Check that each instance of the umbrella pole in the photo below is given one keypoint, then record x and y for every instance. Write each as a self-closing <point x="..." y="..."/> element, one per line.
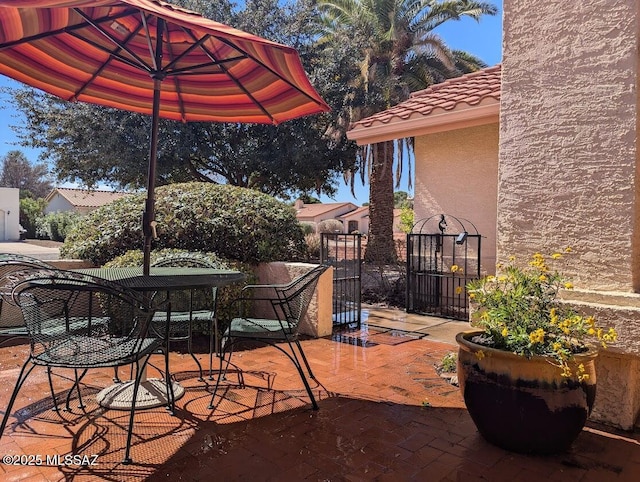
<point x="149" y="215"/>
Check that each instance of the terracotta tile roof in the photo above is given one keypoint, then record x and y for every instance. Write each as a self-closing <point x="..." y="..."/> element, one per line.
<point x="313" y="210"/>
<point x="86" y="198"/>
<point x="467" y="90"/>
<point x="362" y="211"/>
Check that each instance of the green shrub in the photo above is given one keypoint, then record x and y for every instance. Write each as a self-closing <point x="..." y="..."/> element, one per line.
<point x="406" y="219"/>
<point x="56" y="226"/>
<point x="449" y="363"/>
<point x="308" y="228"/>
<point x="30" y="210"/>
<point x="330" y="226"/>
<point x="313" y="245"/>
<point x="236" y="223"/>
<point x="225" y="310"/>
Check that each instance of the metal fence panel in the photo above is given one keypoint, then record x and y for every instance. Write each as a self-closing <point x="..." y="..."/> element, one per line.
<point x="343" y="252"/>
<point x="439" y="266"/>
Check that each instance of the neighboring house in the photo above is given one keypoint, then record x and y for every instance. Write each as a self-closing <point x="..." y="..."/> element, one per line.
<point x="81" y="201"/>
<point x="314" y="213"/>
<point x="9" y="214"/>
<point x="358" y="220"/>
<point x="352" y="217"/>
<point x="455" y="128"/>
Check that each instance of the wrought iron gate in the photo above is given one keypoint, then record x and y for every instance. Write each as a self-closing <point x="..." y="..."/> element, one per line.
<point x="443" y="254"/>
<point x="343" y="252"/>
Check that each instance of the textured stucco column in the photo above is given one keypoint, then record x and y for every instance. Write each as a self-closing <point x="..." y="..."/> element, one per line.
<point x="568" y="164"/>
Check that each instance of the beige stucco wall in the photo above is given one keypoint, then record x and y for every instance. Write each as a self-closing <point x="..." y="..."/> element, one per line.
<point x="456" y="174"/>
<point x="568" y="165"/>
<point x="58" y="204"/>
<point x="9" y="213"/>
<point x="318" y="321"/>
<point x="568" y="135"/>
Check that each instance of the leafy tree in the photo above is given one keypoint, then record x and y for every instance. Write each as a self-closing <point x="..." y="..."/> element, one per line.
<point x="32" y="179"/>
<point x="30" y="210"/>
<point x="308" y="199"/>
<point x="91" y="144"/>
<point x="397" y="53"/>
<point x="406" y="219"/>
<point x="401" y="199"/>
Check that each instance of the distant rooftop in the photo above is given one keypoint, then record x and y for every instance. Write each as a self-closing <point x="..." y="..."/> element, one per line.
<point x="86" y="198"/>
<point x="313" y="210"/>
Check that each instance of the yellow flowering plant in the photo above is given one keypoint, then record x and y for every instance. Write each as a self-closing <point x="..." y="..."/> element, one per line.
<point x="519" y="311"/>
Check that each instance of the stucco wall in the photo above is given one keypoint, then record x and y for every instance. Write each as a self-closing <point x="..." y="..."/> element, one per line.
<point x="318" y="321"/>
<point x="568" y="135"/>
<point x="58" y="203"/>
<point x="456" y="174"/>
<point x="568" y="166"/>
<point x="9" y="213"/>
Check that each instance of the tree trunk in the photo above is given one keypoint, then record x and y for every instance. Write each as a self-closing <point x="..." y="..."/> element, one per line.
<point x="380" y="245"/>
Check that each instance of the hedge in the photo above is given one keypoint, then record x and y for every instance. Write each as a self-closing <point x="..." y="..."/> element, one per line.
<point x="235" y="223"/>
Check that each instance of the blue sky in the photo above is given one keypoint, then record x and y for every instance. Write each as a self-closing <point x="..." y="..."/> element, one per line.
<point x="483" y="39"/>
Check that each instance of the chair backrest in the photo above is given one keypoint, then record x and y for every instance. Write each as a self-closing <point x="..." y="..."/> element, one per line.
<point x="197" y="299"/>
<point x="75" y="315"/>
<point x="11" y="315"/>
<point x="294" y="298"/>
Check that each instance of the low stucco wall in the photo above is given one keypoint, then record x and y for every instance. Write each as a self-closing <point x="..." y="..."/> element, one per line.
<point x="71" y="264"/>
<point x="618" y="367"/>
<point x="318" y="320"/>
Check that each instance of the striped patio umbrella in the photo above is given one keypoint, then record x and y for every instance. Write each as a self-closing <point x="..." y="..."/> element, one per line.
<point x="155" y="58"/>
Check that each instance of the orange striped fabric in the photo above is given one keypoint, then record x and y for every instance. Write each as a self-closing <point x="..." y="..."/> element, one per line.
<point x="102" y="52"/>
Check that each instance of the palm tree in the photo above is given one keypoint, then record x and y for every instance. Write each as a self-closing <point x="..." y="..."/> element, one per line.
<point x="395" y="52"/>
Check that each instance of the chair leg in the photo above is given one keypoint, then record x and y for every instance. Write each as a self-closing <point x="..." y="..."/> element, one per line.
<point x="304" y="359"/>
<point x="53" y="393"/>
<point x="76" y="385"/>
<point x="21" y="378"/>
<point x="139" y="371"/>
<point x="190" y="348"/>
<point x="308" y="387"/>
<point x="190" y="335"/>
<point x="222" y="374"/>
<point x="8" y="338"/>
<point x="215" y="343"/>
<point x="296" y="362"/>
<point x="213" y="330"/>
<point x="171" y="399"/>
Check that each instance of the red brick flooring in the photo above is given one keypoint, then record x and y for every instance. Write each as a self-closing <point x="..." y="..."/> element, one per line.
<point x="384" y="414"/>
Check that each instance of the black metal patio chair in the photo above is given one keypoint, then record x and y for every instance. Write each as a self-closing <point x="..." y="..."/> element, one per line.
<point x="190" y="307"/>
<point x="11" y="320"/>
<point x="289" y="303"/>
<point x="82" y="322"/>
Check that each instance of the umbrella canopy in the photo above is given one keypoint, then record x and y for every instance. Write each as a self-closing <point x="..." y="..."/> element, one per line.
<point x="155" y="58"/>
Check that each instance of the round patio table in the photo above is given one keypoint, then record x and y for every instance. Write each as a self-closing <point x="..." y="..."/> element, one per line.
<point x="152" y="391"/>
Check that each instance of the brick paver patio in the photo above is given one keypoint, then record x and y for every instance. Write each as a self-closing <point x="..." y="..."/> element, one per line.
<point x="385" y="414"/>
